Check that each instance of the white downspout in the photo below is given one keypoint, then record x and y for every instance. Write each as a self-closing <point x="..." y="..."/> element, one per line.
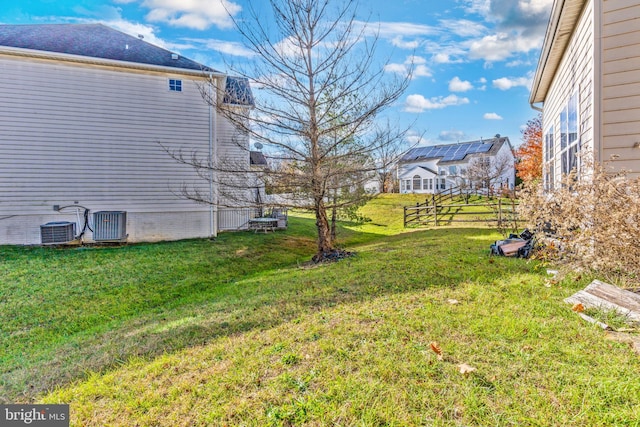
<point x="213" y="155"/>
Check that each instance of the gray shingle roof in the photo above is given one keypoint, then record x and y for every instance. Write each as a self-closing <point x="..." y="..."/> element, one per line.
<point x="95" y="41"/>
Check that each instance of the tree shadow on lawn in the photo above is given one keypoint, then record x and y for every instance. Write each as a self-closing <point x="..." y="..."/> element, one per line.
<point x="237" y="303"/>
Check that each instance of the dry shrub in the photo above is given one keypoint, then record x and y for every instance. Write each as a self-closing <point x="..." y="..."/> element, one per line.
<point x="591" y="223"/>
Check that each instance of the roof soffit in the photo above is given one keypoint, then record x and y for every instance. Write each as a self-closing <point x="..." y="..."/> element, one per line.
<point x="562" y="23"/>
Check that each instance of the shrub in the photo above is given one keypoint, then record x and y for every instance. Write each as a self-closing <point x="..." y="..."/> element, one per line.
<point x="588" y="223"/>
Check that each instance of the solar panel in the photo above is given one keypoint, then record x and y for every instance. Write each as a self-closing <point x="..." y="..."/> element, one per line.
<point x="447" y="153"/>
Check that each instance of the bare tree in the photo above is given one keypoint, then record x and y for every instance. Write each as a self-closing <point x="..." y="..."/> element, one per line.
<point x="486" y="173"/>
<point x="319" y="91"/>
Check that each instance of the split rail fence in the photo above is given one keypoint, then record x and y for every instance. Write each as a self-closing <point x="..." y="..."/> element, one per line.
<point x="462" y="206"/>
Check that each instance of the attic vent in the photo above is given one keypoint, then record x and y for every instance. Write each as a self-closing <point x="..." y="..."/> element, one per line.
<point x="110" y="226"/>
<point x="174" y="56"/>
<point x="56" y="233"/>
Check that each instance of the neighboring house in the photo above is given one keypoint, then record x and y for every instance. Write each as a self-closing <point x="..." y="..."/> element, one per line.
<point x="483" y="164"/>
<point x="86" y="119"/>
<point x="588" y="81"/>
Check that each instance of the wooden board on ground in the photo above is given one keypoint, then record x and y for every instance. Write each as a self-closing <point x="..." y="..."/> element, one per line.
<point x="603" y="296"/>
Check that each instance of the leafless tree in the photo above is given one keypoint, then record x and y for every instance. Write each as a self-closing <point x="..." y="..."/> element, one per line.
<point x="486" y="173"/>
<point x="319" y="91"/>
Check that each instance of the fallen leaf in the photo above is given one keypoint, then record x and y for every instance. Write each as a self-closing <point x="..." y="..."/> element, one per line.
<point x="578" y="308"/>
<point x="453" y="301"/>
<point x="436" y="349"/>
<point x="465" y="369"/>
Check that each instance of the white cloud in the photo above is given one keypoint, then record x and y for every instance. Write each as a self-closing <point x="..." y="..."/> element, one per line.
<point x="136" y="30"/>
<point x="196" y="14"/>
<point x="457" y="85"/>
<point x="463" y="27"/>
<point x="417" y="103"/>
<point x="491" y="116"/>
<point x="412" y="63"/>
<point x="451" y="135"/>
<point x="500" y="46"/>
<point x="506" y="83"/>
<point x="400" y="42"/>
<point x="399" y="29"/>
<point x="229" y="48"/>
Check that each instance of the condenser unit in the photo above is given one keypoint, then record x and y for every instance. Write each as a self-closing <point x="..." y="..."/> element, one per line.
<point x="110" y="226"/>
<point x="57" y="233"/>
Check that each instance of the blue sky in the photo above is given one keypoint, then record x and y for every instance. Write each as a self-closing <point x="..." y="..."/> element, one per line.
<point x="474" y="59"/>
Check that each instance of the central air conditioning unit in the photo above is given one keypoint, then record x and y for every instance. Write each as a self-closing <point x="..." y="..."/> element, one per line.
<point x="57" y="233"/>
<point x="110" y="226"/>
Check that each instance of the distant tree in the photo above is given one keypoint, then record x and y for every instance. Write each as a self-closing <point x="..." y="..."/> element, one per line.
<point x="529" y="154"/>
<point x="486" y="172"/>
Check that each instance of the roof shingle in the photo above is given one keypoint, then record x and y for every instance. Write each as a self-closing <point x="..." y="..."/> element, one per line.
<point x="94" y="41"/>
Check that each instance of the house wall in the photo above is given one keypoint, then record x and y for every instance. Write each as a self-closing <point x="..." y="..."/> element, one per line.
<point x="90" y="135"/>
<point x="575" y="75"/>
<point x="621" y="84"/>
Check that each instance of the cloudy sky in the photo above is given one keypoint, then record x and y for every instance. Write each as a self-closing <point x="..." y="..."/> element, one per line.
<point x="474" y="59"/>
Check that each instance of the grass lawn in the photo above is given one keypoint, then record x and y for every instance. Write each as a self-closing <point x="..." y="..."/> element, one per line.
<point x="239" y="331"/>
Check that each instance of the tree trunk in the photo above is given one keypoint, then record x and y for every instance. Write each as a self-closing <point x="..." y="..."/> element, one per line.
<point x="334" y="216"/>
<point x="325" y="245"/>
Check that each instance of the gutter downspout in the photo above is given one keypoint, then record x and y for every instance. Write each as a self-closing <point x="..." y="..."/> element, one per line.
<point x="535" y="107"/>
<point x="213" y="152"/>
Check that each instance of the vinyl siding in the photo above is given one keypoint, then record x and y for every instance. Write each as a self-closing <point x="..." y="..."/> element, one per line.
<point x="93" y="136"/>
<point x="575" y="74"/>
<point x="621" y="84"/>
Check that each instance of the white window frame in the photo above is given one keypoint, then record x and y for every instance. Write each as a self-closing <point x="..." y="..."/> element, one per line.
<point x="570" y="136"/>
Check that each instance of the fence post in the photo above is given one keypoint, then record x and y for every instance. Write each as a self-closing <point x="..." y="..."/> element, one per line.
<point x="435" y="212"/>
<point x="499" y="212"/>
<point x="405" y="217"/>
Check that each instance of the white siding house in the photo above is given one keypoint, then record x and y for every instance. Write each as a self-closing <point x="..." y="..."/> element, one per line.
<point x="437" y="168"/>
<point x="588" y="85"/>
<point x="85" y="114"/>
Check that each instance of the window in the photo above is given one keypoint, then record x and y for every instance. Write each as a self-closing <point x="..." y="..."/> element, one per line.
<point x="549" y="163"/>
<point x="175" y="85"/>
<point x="443" y="184"/>
<point x="569" y="141"/>
<point x="407" y="184"/>
<point x="417" y="181"/>
<point x="425" y="184"/>
<point x="452" y="170"/>
<point x="430" y="183"/>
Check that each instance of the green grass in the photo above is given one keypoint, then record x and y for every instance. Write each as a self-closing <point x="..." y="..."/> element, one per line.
<point x="241" y="332"/>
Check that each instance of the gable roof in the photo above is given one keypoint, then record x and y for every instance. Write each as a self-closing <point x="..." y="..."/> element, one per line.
<point x="93" y="41"/>
<point x="413" y="170"/>
<point x="455" y="153"/>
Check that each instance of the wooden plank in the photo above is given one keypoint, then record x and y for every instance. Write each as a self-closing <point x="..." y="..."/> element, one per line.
<point x="603" y="296"/>
<point x="625" y="299"/>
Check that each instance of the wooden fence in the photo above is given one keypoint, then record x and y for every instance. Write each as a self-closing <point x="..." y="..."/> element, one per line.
<point x="459" y="206"/>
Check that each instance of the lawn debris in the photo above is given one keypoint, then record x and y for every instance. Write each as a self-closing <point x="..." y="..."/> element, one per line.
<point x="578" y="308"/>
<point x="465" y="369"/>
<point x="605" y="297"/>
<point x="516" y="245"/>
<point x="332" y="256"/>
<point x="435" y="347"/>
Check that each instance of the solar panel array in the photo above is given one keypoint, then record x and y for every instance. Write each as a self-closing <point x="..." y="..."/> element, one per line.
<point x="447" y="153"/>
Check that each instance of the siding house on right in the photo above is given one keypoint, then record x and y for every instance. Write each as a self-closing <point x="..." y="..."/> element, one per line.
<point x="587" y="86"/>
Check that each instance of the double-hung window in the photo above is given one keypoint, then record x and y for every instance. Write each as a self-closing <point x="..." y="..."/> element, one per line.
<point x="549" y="159"/>
<point x="569" y="141"/>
